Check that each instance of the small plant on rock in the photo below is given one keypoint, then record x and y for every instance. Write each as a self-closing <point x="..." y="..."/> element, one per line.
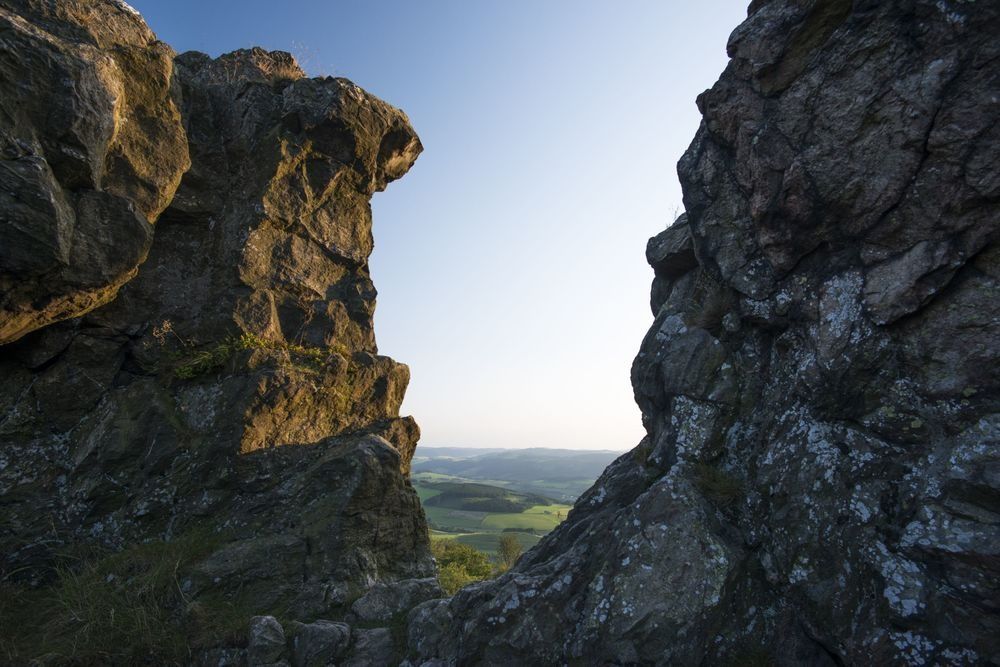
<point x="124" y="607"/>
<point x="192" y="364"/>
<point x="717" y="485"/>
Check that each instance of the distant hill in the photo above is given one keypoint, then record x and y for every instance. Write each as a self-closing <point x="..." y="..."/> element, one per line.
<point x="482" y="498"/>
<point x="423" y="453"/>
<point x="558" y="473"/>
<point x="476" y="495"/>
<point x="520" y="465"/>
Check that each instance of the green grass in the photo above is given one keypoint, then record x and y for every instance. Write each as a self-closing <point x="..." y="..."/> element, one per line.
<point x="444" y="518"/>
<point x="442" y="535"/>
<point x="474" y="497"/>
<point x="540" y="518"/>
<point x="425" y="492"/>
<point x="563" y="490"/>
<point x="433" y="477"/>
<point x="125" y="607"/>
<point x="482" y="530"/>
<point x="190" y="364"/>
<point x="550" y="510"/>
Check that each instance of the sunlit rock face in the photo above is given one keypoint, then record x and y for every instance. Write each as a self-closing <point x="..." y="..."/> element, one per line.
<point x="820" y="482"/>
<point x="92" y="149"/>
<point x="232" y="385"/>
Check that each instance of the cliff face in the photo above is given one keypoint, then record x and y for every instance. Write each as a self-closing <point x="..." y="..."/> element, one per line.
<point x="188" y="356"/>
<point x="820" y="482"/>
<point x="92" y="148"/>
<point x="230" y="386"/>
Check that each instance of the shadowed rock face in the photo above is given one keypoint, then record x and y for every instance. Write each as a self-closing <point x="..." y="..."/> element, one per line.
<point x="820" y="482"/>
<point x="232" y="385"/>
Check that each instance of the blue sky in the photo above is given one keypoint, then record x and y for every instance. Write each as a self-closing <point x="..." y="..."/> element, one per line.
<point x="509" y="261"/>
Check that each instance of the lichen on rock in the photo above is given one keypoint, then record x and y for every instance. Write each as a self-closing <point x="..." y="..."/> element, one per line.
<point x="217" y="371"/>
<point x="819" y="389"/>
<point x="201" y="402"/>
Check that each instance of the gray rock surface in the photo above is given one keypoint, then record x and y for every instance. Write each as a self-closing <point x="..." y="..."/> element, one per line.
<point x="372" y="647"/>
<point x="266" y="644"/>
<point x="383" y="601"/>
<point x="232" y="387"/>
<point x="319" y="644"/>
<point x="820" y="479"/>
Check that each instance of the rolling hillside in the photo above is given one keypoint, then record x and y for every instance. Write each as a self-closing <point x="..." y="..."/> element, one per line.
<point x="476" y="495"/>
<point x="478" y="514"/>
<point x="561" y="474"/>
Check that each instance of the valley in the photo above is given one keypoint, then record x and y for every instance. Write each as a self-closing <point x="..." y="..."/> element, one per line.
<point x="475" y="496"/>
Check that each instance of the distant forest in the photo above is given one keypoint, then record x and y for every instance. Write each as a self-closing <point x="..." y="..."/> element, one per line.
<point x="483" y="498"/>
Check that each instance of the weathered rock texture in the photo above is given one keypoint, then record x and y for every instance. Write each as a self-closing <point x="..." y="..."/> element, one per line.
<point x="820" y="483"/>
<point x="232" y="384"/>
<point x="91" y="152"/>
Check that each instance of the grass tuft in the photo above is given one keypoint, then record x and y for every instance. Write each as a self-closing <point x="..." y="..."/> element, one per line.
<point x="126" y="607"/>
<point x="307" y="359"/>
<point x="710" y="303"/>
<point x="717" y="485"/>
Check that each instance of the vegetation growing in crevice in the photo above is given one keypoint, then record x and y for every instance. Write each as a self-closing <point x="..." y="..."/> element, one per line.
<point x="720" y="487"/>
<point x="710" y="303"/>
<point x="187" y="363"/>
<point x="346" y="388"/>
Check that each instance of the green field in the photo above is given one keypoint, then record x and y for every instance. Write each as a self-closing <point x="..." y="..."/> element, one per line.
<point x="539" y="518"/>
<point x="425" y="492"/>
<point x="560" y="491"/>
<point x="448" y="520"/>
<point x="488" y="541"/>
<point x="476" y="497"/>
<point x="482" y="530"/>
<point x="559" y="474"/>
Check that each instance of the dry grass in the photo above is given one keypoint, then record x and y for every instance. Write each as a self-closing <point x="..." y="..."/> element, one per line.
<point x="710" y="302"/>
<point x="192" y="364"/>
<point x="123" y="608"/>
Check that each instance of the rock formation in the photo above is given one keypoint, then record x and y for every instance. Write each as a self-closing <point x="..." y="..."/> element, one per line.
<point x="820" y="480"/>
<point x="228" y="384"/>
<point x="188" y="357"/>
<point x="92" y="149"/>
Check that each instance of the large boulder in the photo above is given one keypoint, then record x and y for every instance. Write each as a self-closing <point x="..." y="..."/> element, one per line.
<point x="231" y="394"/>
<point x="319" y="644"/>
<point x="820" y="481"/>
<point x="91" y="151"/>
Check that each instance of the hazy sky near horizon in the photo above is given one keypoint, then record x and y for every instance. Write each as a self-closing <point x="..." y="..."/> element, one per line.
<point x="509" y="261"/>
